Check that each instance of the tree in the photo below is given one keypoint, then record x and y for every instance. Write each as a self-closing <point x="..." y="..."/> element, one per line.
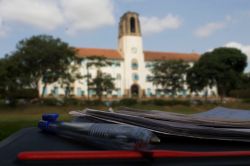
<point x="12" y="79"/>
<point x="103" y="81"/>
<point x="197" y="78"/>
<point x="221" y="68"/>
<point x="3" y="77"/>
<point x="170" y="75"/>
<point x="68" y="77"/>
<point x="44" y="58"/>
<point x="244" y="82"/>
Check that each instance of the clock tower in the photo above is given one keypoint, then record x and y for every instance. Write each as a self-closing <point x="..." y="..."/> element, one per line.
<point x="131" y="48"/>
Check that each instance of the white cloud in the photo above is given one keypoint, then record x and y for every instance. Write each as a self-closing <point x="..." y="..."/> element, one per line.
<point x="44" y="14"/>
<point x="151" y="25"/>
<point x="212" y="27"/>
<point x="87" y="14"/>
<point x="76" y="15"/>
<point x="244" y="48"/>
<point x="209" y="29"/>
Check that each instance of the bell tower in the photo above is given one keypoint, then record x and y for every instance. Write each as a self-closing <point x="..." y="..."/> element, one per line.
<point x="129" y="25"/>
<point x="131" y="48"/>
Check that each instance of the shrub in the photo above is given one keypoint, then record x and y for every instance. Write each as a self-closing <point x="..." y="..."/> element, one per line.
<point x="162" y="102"/>
<point x="146" y="102"/>
<point x="246" y="100"/>
<point x="240" y="93"/>
<point x="23" y="94"/>
<point x="93" y="103"/>
<point x="128" y="102"/>
<point x="72" y="101"/>
<point x="2" y="93"/>
<point x="159" y="102"/>
<point x="51" y="102"/>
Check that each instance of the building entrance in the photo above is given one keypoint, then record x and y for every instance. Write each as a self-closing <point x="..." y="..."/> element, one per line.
<point x="134" y="90"/>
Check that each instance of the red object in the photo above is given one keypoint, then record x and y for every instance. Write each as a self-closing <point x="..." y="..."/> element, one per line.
<point x="90" y="155"/>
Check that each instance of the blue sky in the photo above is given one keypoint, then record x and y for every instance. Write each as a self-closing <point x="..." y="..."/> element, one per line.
<point x="167" y="25"/>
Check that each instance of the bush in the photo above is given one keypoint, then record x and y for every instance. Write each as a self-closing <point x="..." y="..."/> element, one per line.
<point x="246" y="100"/>
<point x="240" y="93"/>
<point x="159" y="102"/>
<point x="51" y="102"/>
<point x="72" y="101"/>
<point x="93" y="103"/>
<point x="128" y="102"/>
<point x="162" y="102"/>
<point x="23" y="94"/>
<point x="2" y="93"/>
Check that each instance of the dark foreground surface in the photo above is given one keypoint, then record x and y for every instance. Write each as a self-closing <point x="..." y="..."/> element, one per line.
<point x="31" y="139"/>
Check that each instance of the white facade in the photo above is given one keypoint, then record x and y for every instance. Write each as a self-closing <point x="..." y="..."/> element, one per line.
<point x="130" y="66"/>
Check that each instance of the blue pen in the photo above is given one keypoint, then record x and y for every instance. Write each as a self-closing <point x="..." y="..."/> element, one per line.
<point x="118" y="136"/>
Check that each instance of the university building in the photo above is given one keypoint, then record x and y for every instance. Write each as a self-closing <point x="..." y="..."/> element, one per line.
<point x="131" y="65"/>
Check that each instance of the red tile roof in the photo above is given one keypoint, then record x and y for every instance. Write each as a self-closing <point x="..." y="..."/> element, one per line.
<point x="148" y="55"/>
<point x="108" y="53"/>
<point x="152" y="55"/>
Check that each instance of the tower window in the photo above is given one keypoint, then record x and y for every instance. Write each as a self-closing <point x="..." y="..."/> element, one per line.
<point x="132" y="25"/>
<point x="135" y="77"/>
<point x="134" y="64"/>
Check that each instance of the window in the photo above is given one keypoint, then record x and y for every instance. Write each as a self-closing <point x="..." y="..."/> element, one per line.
<point x="79" y="92"/>
<point x="135" y="77"/>
<point x="83" y="62"/>
<point x="132" y="25"/>
<point x="54" y="91"/>
<point x="148" y="78"/>
<point x="118" y="77"/>
<point x="45" y="91"/>
<point x="118" y="64"/>
<point x="148" y="65"/>
<point x="149" y="93"/>
<point x="184" y="92"/>
<point x="158" y="92"/>
<point x="92" y="92"/>
<point x="134" y="64"/>
<point x="83" y="93"/>
<point x="119" y="92"/>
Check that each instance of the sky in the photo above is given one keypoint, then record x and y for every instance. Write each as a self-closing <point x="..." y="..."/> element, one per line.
<point x="167" y="25"/>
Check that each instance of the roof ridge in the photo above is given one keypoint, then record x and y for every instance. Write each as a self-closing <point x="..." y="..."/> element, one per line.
<point x="96" y="48"/>
<point x="149" y="51"/>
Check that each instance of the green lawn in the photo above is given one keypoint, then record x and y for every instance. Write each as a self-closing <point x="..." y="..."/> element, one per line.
<point x="13" y="119"/>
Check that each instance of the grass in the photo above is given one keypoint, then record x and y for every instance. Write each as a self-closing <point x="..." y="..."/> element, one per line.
<point x="13" y="119"/>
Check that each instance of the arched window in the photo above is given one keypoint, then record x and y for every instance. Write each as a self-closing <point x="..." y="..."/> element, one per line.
<point x="132" y="25"/>
<point x="134" y="64"/>
<point x="135" y="77"/>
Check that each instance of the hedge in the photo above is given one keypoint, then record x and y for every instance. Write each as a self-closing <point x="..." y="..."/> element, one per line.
<point x="241" y="93"/>
<point x="128" y="102"/>
<point x="23" y="94"/>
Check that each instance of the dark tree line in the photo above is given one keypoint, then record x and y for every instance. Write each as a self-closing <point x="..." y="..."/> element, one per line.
<point x="222" y="68"/>
<point x="39" y="58"/>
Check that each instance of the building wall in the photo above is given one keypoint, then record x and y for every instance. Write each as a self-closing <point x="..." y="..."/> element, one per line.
<point x="122" y="72"/>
